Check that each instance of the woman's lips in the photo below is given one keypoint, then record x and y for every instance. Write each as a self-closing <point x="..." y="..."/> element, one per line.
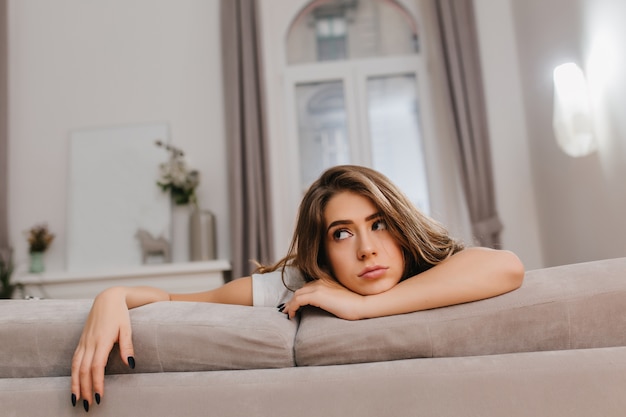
<point x="373" y="272"/>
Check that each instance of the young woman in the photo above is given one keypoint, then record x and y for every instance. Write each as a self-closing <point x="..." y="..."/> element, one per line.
<point x="360" y="250"/>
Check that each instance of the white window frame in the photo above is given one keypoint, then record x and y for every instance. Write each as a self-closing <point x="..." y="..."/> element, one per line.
<point x="354" y="75"/>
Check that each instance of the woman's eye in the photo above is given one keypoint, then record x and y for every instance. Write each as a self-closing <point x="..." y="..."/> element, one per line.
<point x="379" y="225"/>
<point x="341" y="234"/>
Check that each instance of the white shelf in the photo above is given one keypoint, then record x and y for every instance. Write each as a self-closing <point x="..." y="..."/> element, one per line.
<point x="174" y="277"/>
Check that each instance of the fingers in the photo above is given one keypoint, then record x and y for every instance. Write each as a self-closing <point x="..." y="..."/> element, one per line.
<point x="88" y="375"/>
<point x="300" y="298"/>
<point x="127" y="353"/>
<point x="331" y="297"/>
<point x="81" y="376"/>
<point x="85" y="380"/>
<point x="285" y="309"/>
<point x="88" y="367"/>
<point x="89" y="362"/>
<point x="76" y="361"/>
<point x="98" y="363"/>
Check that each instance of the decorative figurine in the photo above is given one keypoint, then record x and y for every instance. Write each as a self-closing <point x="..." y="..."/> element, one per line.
<point x="152" y="246"/>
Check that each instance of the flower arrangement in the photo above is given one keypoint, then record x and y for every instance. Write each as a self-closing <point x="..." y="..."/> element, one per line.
<point x="39" y="238"/>
<point x="176" y="177"/>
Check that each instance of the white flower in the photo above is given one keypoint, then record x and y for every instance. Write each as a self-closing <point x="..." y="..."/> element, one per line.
<point x="176" y="177"/>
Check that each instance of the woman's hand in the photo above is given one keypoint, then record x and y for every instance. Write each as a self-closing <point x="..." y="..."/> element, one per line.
<point x="470" y="275"/>
<point x="108" y="323"/>
<point x="327" y="295"/>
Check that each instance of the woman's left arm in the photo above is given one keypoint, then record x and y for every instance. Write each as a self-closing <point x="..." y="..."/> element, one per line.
<point x="469" y="275"/>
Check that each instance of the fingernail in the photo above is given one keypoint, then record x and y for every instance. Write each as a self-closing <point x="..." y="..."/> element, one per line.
<point x="280" y="306"/>
<point x="281" y="309"/>
<point x="86" y="405"/>
<point x="97" y="398"/>
<point x="131" y="362"/>
<point x="73" y="400"/>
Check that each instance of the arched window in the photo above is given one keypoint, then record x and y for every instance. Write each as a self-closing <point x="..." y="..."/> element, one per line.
<point x="354" y="91"/>
<point x="327" y="30"/>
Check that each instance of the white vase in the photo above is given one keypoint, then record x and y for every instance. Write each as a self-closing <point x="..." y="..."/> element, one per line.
<point x="179" y="242"/>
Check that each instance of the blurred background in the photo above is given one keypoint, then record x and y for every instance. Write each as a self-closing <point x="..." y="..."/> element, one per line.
<point x="82" y="66"/>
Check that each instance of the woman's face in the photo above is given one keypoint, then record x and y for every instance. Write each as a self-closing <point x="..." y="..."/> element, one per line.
<point x="363" y="255"/>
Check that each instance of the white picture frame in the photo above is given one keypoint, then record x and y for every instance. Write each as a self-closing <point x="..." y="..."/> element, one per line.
<point x="112" y="193"/>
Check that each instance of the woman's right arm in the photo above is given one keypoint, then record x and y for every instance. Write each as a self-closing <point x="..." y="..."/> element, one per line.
<point x="109" y="323"/>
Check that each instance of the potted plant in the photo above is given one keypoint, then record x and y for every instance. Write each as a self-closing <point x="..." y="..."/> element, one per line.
<point x="6" y="270"/>
<point x="39" y="239"/>
<point x="177" y="178"/>
<point x="180" y="181"/>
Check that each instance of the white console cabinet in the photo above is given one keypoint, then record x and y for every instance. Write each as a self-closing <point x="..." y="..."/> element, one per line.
<point x="174" y="278"/>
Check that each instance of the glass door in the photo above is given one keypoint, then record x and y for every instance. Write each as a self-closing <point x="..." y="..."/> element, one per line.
<point x="360" y="114"/>
<point x="392" y="124"/>
<point x="323" y="139"/>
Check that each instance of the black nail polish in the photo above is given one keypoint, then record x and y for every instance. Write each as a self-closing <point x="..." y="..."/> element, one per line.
<point x="86" y="405"/>
<point x="131" y="362"/>
<point x="280" y="306"/>
<point x="97" y="398"/>
<point x="73" y="400"/>
<point x="281" y="309"/>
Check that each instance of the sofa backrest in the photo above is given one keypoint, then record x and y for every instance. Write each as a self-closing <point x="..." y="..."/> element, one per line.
<point x="566" y="307"/>
<point x="38" y="337"/>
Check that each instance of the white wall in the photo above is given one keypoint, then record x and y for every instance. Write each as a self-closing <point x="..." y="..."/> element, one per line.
<point x="581" y="201"/>
<point x="513" y="176"/>
<point x="77" y="64"/>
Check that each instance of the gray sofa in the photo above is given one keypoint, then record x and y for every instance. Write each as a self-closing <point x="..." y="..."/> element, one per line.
<point x="555" y="347"/>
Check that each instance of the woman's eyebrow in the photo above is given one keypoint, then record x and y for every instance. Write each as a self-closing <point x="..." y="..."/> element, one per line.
<point x="338" y="223"/>
<point x="373" y="216"/>
<point x="342" y="222"/>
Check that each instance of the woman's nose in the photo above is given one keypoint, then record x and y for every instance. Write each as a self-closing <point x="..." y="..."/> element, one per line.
<point x="366" y="248"/>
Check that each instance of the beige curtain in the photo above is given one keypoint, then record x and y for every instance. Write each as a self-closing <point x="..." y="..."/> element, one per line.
<point x="4" y="131"/>
<point x="246" y="136"/>
<point x="458" y="40"/>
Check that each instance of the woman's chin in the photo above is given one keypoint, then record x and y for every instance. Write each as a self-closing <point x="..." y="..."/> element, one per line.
<point x="373" y="288"/>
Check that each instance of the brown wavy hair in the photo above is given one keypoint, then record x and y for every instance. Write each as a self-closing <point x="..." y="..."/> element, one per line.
<point x="424" y="241"/>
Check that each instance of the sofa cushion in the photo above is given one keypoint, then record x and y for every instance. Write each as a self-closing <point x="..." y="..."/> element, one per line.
<point x="582" y="383"/>
<point x="566" y="307"/>
<point x="39" y="337"/>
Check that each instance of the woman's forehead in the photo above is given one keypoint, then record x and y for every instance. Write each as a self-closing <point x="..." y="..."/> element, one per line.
<point x="348" y="206"/>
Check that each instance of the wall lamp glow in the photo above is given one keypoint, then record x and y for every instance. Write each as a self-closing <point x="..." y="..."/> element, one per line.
<point x="572" y="119"/>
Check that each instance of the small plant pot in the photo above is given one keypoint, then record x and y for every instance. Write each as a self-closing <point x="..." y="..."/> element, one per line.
<point x="36" y="262"/>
